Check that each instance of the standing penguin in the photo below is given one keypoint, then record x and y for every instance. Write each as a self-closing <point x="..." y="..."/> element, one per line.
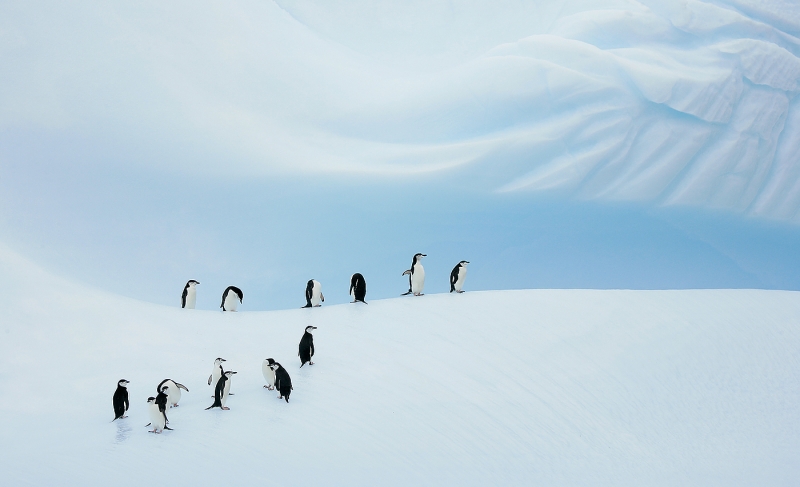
<point x="173" y="391"/>
<point x="416" y="278"/>
<point x="282" y="381"/>
<point x="314" y="294"/>
<point x="358" y="288"/>
<point x="231" y="298"/>
<point x="156" y="417"/>
<point x="216" y="372"/>
<point x="306" y="349"/>
<point x="161" y="402"/>
<point x="121" y="400"/>
<point x="269" y="374"/>
<point x="457" y="276"/>
<point x="221" y="391"/>
<point x="189" y="296"/>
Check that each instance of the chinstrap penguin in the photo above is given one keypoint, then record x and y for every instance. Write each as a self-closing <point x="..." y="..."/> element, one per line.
<point x="221" y="392"/>
<point x="358" y="288"/>
<point x="314" y="296"/>
<point x="216" y="371"/>
<point x="282" y="381"/>
<point x="416" y="276"/>
<point x="161" y="402"/>
<point x="173" y="391"/>
<point x="269" y="374"/>
<point x="231" y="298"/>
<point x="120" y="400"/>
<point x="157" y="418"/>
<point x="306" y="348"/>
<point x="457" y="276"/>
<point x="189" y="296"/>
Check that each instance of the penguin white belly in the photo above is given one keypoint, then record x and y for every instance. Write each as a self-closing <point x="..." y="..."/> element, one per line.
<point x="269" y="374"/>
<point x="231" y="301"/>
<point x="418" y="279"/>
<point x="316" y="295"/>
<point x="173" y="394"/>
<point x="156" y="418"/>
<point x="462" y="273"/>
<point x="191" y="298"/>
<point x="227" y="388"/>
<point x="215" y="375"/>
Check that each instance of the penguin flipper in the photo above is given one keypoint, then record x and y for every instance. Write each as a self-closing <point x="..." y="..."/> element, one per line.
<point x="182" y="387"/>
<point x="209" y="379"/>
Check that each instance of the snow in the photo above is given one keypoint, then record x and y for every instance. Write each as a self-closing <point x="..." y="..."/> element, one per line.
<point x="551" y="387"/>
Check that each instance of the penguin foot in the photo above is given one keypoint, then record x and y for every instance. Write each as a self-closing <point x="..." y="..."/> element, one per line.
<point x="225" y="408"/>
<point x="310" y="363"/>
<point x="459" y="292"/>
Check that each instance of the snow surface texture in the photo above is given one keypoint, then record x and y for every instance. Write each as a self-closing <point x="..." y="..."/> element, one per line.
<point x="547" y="387"/>
<point x="662" y="101"/>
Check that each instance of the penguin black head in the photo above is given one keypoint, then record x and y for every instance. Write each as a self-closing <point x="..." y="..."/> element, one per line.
<point x="123" y="383"/>
<point x="192" y="282"/>
<point x="270" y="361"/>
<point x="219" y="359"/>
<point x="464" y="262"/>
<point x="309" y="328"/>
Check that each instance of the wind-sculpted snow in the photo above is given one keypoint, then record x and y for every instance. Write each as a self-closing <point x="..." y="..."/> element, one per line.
<point x="670" y="102"/>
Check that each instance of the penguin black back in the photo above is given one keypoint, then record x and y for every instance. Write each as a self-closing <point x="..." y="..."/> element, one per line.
<point x="120" y="399"/>
<point x="282" y="381"/>
<point x="161" y="400"/>
<point x="309" y="292"/>
<point x="358" y="288"/>
<point x="306" y="348"/>
<point x="219" y="390"/>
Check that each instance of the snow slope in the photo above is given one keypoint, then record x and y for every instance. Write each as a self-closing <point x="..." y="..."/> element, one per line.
<point x="552" y="387"/>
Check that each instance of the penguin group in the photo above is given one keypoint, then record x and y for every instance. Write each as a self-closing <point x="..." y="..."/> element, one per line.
<point x="232" y="297"/>
<point x="168" y="391"/>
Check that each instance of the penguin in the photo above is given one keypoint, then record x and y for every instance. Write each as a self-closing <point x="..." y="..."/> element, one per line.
<point x="173" y="391"/>
<point x="189" y="296"/>
<point x="358" y="288"/>
<point x="216" y="372"/>
<point x="156" y="417"/>
<point x="314" y="294"/>
<point x="221" y="391"/>
<point x="269" y="374"/>
<point x="282" y="381"/>
<point x="121" y="400"/>
<point x="416" y="276"/>
<point x="306" y="349"/>
<point x="161" y="401"/>
<point x="230" y="297"/>
<point x="457" y="276"/>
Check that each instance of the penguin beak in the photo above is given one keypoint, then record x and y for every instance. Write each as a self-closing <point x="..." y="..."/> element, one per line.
<point x="424" y="255"/>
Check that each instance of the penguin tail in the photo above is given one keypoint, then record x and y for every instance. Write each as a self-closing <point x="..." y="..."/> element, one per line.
<point x="287" y="398"/>
<point x="168" y="428"/>
<point x="209" y="407"/>
<point x="302" y="364"/>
